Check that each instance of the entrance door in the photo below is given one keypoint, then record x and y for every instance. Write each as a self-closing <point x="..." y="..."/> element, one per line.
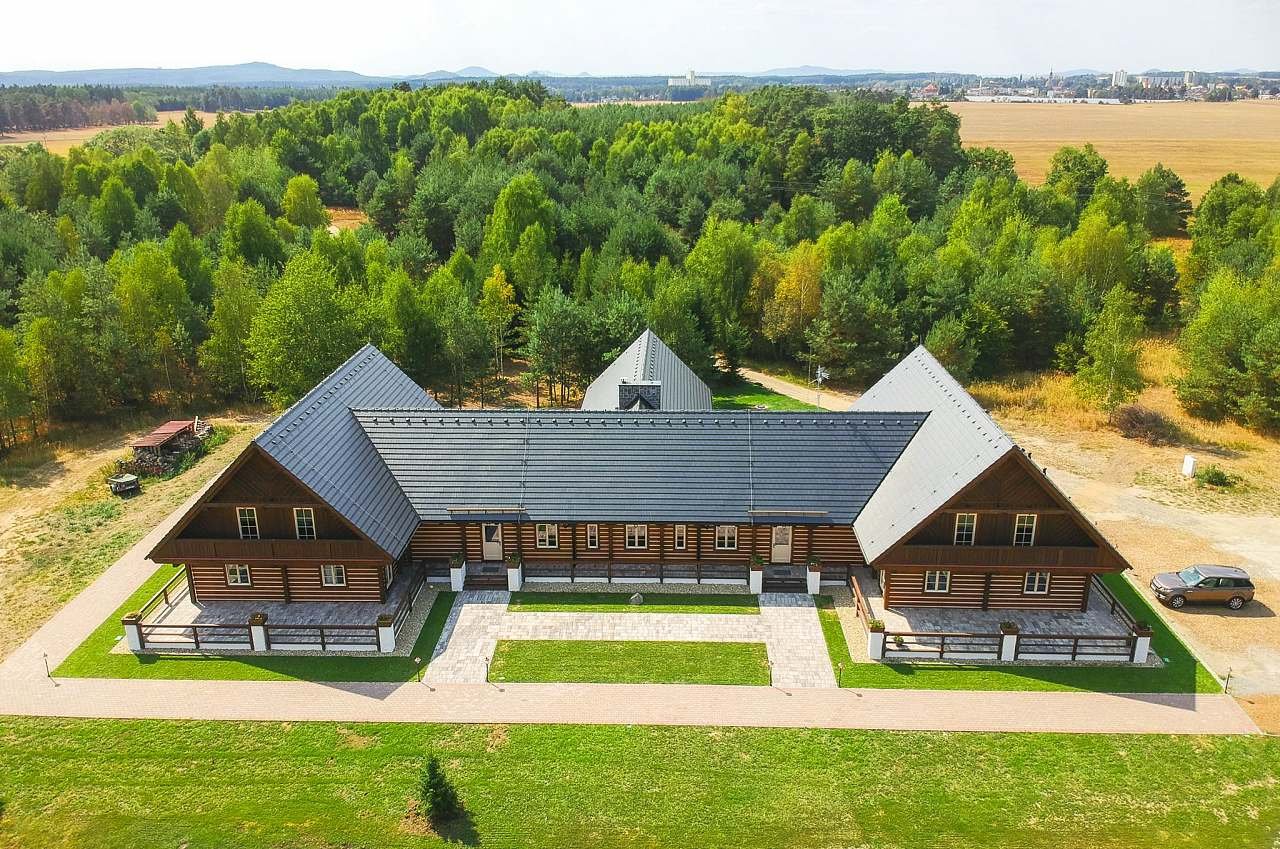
<point x="781" y="552"/>
<point x="491" y="541"/>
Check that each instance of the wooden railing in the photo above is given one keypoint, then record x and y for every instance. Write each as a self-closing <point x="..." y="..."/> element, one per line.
<point x="1073" y="646"/>
<point x="860" y="604"/>
<point x="324" y="637"/>
<point x="336" y="550"/>
<point x="940" y="643"/>
<point x="213" y="634"/>
<point x="1117" y="609"/>
<point x="604" y="571"/>
<point x="166" y="594"/>
<point x="994" y="555"/>
<point x="406" y="604"/>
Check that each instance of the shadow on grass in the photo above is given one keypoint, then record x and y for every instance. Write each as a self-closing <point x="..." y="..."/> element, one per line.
<point x="460" y="829"/>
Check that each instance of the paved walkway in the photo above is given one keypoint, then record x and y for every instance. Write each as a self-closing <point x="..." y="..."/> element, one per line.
<point x="825" y="399"/>
<point x="627" y="704"/>
<point x="787" y="625"/>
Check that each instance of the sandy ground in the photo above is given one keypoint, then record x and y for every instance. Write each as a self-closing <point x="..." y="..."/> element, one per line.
<point x="345" y="218"/>
<point x="1200" y="141"/>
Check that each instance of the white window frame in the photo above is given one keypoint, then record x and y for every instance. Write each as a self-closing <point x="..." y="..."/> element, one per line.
<point x="1020" y="535"/>
<point x="310" y="514"/>
<point x="940" y="579"/>
<point x="238" y="569"/>
<point x="593" y="536"/>
<point x="680" y="537"/>
<point x="637" y="537"/>
<point x="1032" y="583"/>
<point x="251" y="514"/>
<point x="973" y="529"/>
<point x="547" y="535"/>
<point x="726" y="537"/>
<point x="333" y="575"/>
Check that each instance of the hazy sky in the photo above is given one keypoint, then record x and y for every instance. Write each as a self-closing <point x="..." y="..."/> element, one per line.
<point x="650" y="37"/>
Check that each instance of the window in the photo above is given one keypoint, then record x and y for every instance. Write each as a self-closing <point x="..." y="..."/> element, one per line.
<point x="966" y="526"/>
<point x="548" y="536"/>
<point x="593" y="536"/>
<point x="937" y="582"/>
<point x="1024" y="529"/>
<point x="1035" y="583"/>
<point x="304" y="522"/>
<point x="238" y="575"/>
<point x="680" y="537"/>
<point x="333" y="575"/>
<point x="637" y="536"/>
<point x="726" y="537"/>
<point x="248" y="522"/>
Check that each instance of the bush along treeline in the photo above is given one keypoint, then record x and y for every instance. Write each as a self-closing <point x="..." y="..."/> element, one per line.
<point x="157" y="265"/>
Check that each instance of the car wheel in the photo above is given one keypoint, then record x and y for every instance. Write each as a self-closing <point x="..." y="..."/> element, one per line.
<point x="1235" y="602"/>
<point x="1177" y="601"/>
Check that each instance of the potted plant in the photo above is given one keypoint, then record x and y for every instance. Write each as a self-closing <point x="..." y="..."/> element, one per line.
<point x="513" y="560"/>
<point x="814" y="563"/>
<point x="456" y="561"/>
<point x="1008" y="627"/>
<point x="875" y="626"/>
<point x="757" y="562"/>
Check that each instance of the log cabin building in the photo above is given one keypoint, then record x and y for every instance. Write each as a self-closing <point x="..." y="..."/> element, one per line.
<point x="367" y="475"/>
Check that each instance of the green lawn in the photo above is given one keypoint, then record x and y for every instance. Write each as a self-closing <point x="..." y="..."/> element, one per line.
<point x="1182" y="673"/>
<point x="93" y="659"/>
<point x="535" y="602"/>
<point x="735" y="393"/>
<point x="103" y="784"/>
<point x="630" y="662"/>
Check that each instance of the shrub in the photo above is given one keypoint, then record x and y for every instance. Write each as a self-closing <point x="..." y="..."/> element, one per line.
<point x="1138" y="422"/>
<point x="437" y="794"/>
<point x="1214" y="475"/>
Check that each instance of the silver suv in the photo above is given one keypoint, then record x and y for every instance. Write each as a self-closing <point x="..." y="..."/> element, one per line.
<point x="1204" y="583"/>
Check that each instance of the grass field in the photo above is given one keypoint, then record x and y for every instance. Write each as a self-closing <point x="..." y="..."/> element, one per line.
<point x="738" y="394"/>
<point x="629" y="662"/>
<point x="94" y="659"/>
<point x="1200" y="141"/>
<point x="569" y="602"/>
<point x="60" y="528"/>
<point x="94" y="784"/>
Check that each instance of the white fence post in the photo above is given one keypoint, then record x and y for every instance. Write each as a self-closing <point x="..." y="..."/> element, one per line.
<point x="515" y="576"/>
<point x="457" y="577"/>
<point x="258" y="631"/>
<point x="1141" y="642"/>
<point x="1008" y="642"/>
<point x="133" y="631"/>
<point x="875" y="642"/>
<point x="386" y="633"/>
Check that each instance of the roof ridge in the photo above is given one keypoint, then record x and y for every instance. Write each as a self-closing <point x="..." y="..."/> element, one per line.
<point x="323" y="389"/>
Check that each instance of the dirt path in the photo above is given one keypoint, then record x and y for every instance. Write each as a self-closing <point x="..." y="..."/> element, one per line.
<point x="825" y="399"/>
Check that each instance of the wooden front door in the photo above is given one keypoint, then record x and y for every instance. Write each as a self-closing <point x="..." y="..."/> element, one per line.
<point x="491" y="541"/>
<point x="781" y="550"/>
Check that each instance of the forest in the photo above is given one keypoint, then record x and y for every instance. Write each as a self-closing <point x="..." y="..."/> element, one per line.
<point x="194" y="263"/>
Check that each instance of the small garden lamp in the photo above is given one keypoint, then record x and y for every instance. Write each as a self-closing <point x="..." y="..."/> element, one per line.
<point x="417" y="662"/>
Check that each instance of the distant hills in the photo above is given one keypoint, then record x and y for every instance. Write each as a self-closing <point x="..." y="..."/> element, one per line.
<point x="812" y="71"/>
<point x="246" y="74"/>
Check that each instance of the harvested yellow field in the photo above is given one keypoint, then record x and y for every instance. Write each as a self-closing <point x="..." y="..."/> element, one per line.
<point x="61" y="141"/>
<point x="1200" y="141"/>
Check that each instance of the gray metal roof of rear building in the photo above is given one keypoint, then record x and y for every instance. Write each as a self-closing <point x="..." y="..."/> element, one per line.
<point x="320" y="442"/>
<point x="638" y="466"/>
<point x="958" y="442"/>
<point x="648" y="360"/>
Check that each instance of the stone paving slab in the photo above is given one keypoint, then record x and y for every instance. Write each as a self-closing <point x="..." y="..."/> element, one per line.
<point x="787" y="625"/>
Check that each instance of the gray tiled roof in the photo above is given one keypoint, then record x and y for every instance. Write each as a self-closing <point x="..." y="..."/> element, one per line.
<point x="319" y="441"/>
<point x="958" y="442"/>
<point x="649" y="360"/>
<point x="638" y="466"/>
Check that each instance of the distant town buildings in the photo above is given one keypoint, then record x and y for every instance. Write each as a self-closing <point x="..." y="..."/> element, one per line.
<point x="1120" y="78"/>
<point x="689" y="80"/>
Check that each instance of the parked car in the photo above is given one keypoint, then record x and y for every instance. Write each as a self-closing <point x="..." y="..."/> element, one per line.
<point x="1204" y="583"/>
